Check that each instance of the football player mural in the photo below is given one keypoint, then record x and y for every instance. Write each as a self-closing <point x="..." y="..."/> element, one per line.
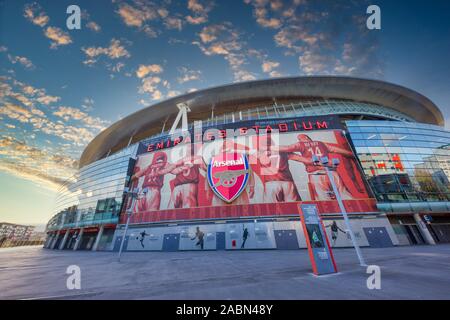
<point x="154" y="182"/>
<point x="247" y="170"/>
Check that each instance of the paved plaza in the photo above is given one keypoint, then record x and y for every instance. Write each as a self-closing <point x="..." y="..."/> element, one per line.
<point x="413" y="272"/>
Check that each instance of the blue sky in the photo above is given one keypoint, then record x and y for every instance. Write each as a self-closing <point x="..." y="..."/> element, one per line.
<point x="60" y="87"/>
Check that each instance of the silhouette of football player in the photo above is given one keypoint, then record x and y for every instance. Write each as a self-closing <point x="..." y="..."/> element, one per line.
<point x="142" y="237"/>
<point x="199" y="235"/>
<point x="244" y="237"/>
<point x="334" y="231"/>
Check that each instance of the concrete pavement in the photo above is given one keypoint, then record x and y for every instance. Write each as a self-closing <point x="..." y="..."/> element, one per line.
<point x="416" y="272"/>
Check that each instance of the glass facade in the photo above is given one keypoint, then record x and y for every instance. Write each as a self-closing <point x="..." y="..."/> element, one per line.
<point x="308" y="108"/>
<point x="94" y="195"/>
<point x="403" y="162"/>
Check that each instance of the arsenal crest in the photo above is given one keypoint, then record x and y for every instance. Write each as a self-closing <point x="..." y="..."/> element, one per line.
<point x="228" y="175"/>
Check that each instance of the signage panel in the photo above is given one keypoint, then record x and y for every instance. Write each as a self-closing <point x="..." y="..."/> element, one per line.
<point x="319" y="249"/>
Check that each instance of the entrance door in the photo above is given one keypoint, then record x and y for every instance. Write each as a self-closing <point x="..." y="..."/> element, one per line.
<point x="87" y="240"/>
<point x="415" y="234"/>
<point x="286" y="239"/>
<point x="441" y="231"/>
<point x="117" y="243"/>
<point x="171" y="242"/>
<point x="378" y="237"/>
<point x="220" y="240"/>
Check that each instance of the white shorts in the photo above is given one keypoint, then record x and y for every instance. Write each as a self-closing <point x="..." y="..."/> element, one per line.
<point x="323" y="189"/>
<point x="151" y="201"/>
<point x="280" y="191"/>
<point x="183" y="196"/>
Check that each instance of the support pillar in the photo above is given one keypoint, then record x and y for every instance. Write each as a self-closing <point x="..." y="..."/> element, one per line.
<point x="78" y="241"/>
<point x="97" y="240"/>
<point x="63" y="242"/>
<point x="55" y="239"/>
<point x="48" y="241"/>
<point x="423" y="229"/>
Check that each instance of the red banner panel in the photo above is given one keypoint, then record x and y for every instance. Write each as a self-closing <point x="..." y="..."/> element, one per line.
<point x="183" y="183"/>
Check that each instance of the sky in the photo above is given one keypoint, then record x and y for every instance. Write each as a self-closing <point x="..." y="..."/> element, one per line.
<point x="59" y="88"/>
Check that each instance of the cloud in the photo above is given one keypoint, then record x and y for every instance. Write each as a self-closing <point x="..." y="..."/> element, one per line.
<point x="21" y="98"/>
<point x="90" y="24"/>
<point x="61" y="134"/>
<point x="324" y="42"/>
<point x="196" y="20"/>
<point x="116" y="67"/>
<point x="47" y="99"/>
<point x="150" y="32"/>
<point x="93" y="26"/>
<point x="188" y="75"/>
<point x="40" y="166"/>
<point x="225" y="40"/>
<point x="260" y="12"/>
<point x="114" y="51"/>
<point x="149" y="84"/>
<point x="28" y="95"/>
<point x="74" y="114"/>
<point x="76" y="134"/>
<point x="268" y="66"/>
<point x="24" y="61"/>
<point x="44" y="179"/>
<point x="25" y="111"/>
<point x="263" y="21"/>
<point x="16" y="112"/>
<point x="58" y="37"/>
<point x="156" y="95"/>
<point x="136" y="16"/>
<point x="199" y="11"/>
<point x="140" y="14"/>
<point x="143" y="70"/>
<point x="296" y="37"/>
<point x="173" y="93"/>
<point x="173" y="23"/>
<point x="312" y="63"/>
<point x="210" y="33"/>
<point x="88" y="104"/>
<point x="34" y="13"/>
<point x="30" y="90"/>
<point x="163" y="12"/>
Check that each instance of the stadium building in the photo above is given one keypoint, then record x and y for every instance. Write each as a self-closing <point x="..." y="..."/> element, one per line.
<point x="227" y="168"/>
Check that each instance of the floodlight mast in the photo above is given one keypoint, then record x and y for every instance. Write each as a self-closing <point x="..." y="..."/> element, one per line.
<point x="325" y="163"/>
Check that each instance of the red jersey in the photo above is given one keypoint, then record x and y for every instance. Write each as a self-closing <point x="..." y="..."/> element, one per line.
<point x="188" y="175"/>
<point x="155" y="181"/>
<point x="274" y="167"/>
<point x="310" y="149"/>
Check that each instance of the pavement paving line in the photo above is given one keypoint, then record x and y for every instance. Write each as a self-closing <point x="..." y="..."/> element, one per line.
<point x="30" y="267"/>
<point x="84" y="294"/>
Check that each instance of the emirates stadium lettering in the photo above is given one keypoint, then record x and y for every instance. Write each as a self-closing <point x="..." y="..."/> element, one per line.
<point x="228" y="163"/>
<point x="245" y="128"/>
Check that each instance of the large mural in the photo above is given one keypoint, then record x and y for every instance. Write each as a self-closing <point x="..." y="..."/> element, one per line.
<point x="245" y="171"/>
